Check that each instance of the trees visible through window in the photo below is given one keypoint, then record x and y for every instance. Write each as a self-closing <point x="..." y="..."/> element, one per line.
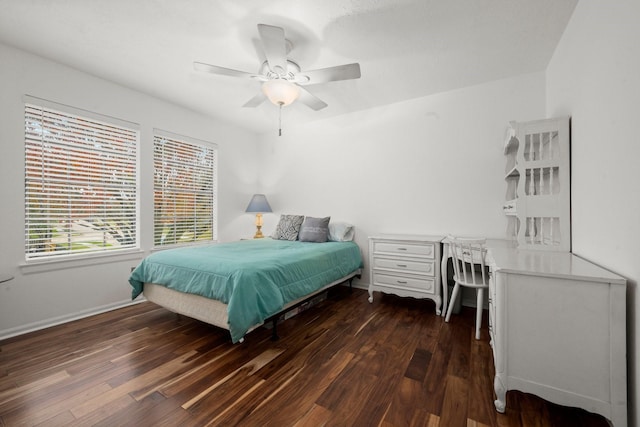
<point x="80" y="184"/>
<point x="184" y="190"/>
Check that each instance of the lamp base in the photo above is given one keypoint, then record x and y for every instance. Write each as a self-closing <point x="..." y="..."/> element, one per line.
<point x="258" y="226"/>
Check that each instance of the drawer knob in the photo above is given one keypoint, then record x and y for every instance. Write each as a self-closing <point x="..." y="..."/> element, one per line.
<point x="402" y="249"/>
<point x="402" y="265"/>
<point x="402" y="282"/>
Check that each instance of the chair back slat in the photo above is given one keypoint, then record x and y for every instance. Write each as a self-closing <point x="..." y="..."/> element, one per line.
<point x="469" y="263"/>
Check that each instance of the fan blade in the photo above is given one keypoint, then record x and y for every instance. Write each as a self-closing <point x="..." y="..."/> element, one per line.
<point x="255" y="101"/>
<point x="214" y="69"/>
<point x="331" y="74"/>
<point x="275" y="48"/>
<point x="310" y="100"/>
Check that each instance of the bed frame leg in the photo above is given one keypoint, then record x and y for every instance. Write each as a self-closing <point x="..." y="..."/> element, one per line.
<point x="350" y="283"/>
<point x="274" y="331"/>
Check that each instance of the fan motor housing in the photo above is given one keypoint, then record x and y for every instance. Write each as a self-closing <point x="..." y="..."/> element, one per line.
<point x="292" y="70"/>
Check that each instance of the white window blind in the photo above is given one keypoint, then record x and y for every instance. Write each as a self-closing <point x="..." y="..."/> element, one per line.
<point x="80" y="184"/>
<point x="185" y="202"/>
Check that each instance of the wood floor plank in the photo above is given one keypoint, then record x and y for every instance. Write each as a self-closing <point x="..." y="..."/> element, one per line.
<point x="209" y="368"/>
<point x="417" y="369"/>
<point x="137" y="414"/>
<point x="351" y="381"/>
<point x="473" y="423"/>
<point x="408" y="396"/>
<point x="397" y="344"/>
<point x="99" y="413"/>
<point x="18" y="393"/>
<point x="422" y="418"/>
<point x="293" y="402"/>
<point x="317" y="416"/>
<point x="154" y="410"/>
<point x="40" y="411"/>
<point x="245" y="370"/>
<point x="138" y="383"/>
<point x="435" y="378"/>
<point x="291" y="371"/>
<point x="481" y="396"/>
<point x="461" y="336"/>
<point x="62" y="419"/>
<point x="342" y="362"/>
<point x="454" y="408"/>
<point x="213" y="408"/>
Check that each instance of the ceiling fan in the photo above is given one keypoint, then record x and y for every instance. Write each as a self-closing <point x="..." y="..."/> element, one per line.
<point x="283" y="80"/>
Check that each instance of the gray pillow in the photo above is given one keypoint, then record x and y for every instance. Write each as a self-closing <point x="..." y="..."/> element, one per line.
<point x="288" y="227"/>
<point x="314" y="230"/>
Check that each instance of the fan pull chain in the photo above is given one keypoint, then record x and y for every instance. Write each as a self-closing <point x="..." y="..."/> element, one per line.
<point x="280" y="120"/>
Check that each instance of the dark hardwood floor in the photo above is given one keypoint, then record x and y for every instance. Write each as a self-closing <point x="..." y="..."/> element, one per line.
<point x="344" y="362"/>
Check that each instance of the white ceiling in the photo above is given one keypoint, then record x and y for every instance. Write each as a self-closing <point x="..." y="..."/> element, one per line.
<point x="406" y="48"/>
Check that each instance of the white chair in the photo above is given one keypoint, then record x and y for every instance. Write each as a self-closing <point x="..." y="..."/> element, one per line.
<point x="469" y="269"/>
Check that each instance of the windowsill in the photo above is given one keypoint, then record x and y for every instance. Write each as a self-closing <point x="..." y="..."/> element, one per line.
<point x="44" y="265"/>
<point x="183" y="245"/>
<point x="41" y="266"/>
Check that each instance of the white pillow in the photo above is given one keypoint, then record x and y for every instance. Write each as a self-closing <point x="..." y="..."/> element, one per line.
<point x="341" y="232"/>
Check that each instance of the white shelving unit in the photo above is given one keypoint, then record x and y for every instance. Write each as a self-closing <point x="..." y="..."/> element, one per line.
<point x="537" y="198"/>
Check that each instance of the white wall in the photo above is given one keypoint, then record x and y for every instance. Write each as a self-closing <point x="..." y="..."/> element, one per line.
<point x="432" y="165"/>
<point x="63" y="291"/>
<point x="594" y="76"/>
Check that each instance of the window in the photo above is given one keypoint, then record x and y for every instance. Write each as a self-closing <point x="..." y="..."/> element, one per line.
<point x="185" y="200"/>
<point x="80" y="182"/>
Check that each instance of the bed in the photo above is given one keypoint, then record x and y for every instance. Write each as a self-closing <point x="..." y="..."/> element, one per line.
<point x="239" y="285"/>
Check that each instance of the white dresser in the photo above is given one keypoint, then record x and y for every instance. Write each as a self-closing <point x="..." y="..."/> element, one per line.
<point x="406" y="265"/>
<point x="558" y="330"/>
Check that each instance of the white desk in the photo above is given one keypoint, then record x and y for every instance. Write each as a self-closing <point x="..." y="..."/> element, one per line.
<point x="557" y="325"/>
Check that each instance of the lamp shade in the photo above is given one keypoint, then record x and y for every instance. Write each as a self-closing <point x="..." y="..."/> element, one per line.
<point x="280" y="91"/>
<point x="258" y="204"/>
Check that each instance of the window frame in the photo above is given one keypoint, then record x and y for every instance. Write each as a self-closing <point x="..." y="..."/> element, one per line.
<point x="160" y="134"/>
<point x="129" y="162"/>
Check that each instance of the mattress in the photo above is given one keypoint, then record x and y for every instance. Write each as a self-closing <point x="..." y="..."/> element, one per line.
<point x="254" y="279"/>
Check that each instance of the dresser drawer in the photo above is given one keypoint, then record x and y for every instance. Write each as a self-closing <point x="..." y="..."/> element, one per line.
<point x="400" y="264"/>
<point x="402" y="282"/>
<point x="426" y="250"/>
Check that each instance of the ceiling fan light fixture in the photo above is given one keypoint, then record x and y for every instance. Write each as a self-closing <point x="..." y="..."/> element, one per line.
<point x="280" y="91"/>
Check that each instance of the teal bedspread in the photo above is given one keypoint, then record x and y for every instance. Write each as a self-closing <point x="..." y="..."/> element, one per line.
<point x="255" y="278"/>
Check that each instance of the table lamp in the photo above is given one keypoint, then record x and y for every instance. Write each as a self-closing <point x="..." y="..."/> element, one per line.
<point x="258" y="205"/>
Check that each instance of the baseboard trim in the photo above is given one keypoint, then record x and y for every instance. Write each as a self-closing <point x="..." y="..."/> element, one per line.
<point x="466" y="301"/>
<point x="359" y="285"/>
<point x="55" y="321"/>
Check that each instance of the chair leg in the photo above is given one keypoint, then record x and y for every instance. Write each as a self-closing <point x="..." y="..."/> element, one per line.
<point x="452" y="300"/>
<point x="479" y="294"/>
